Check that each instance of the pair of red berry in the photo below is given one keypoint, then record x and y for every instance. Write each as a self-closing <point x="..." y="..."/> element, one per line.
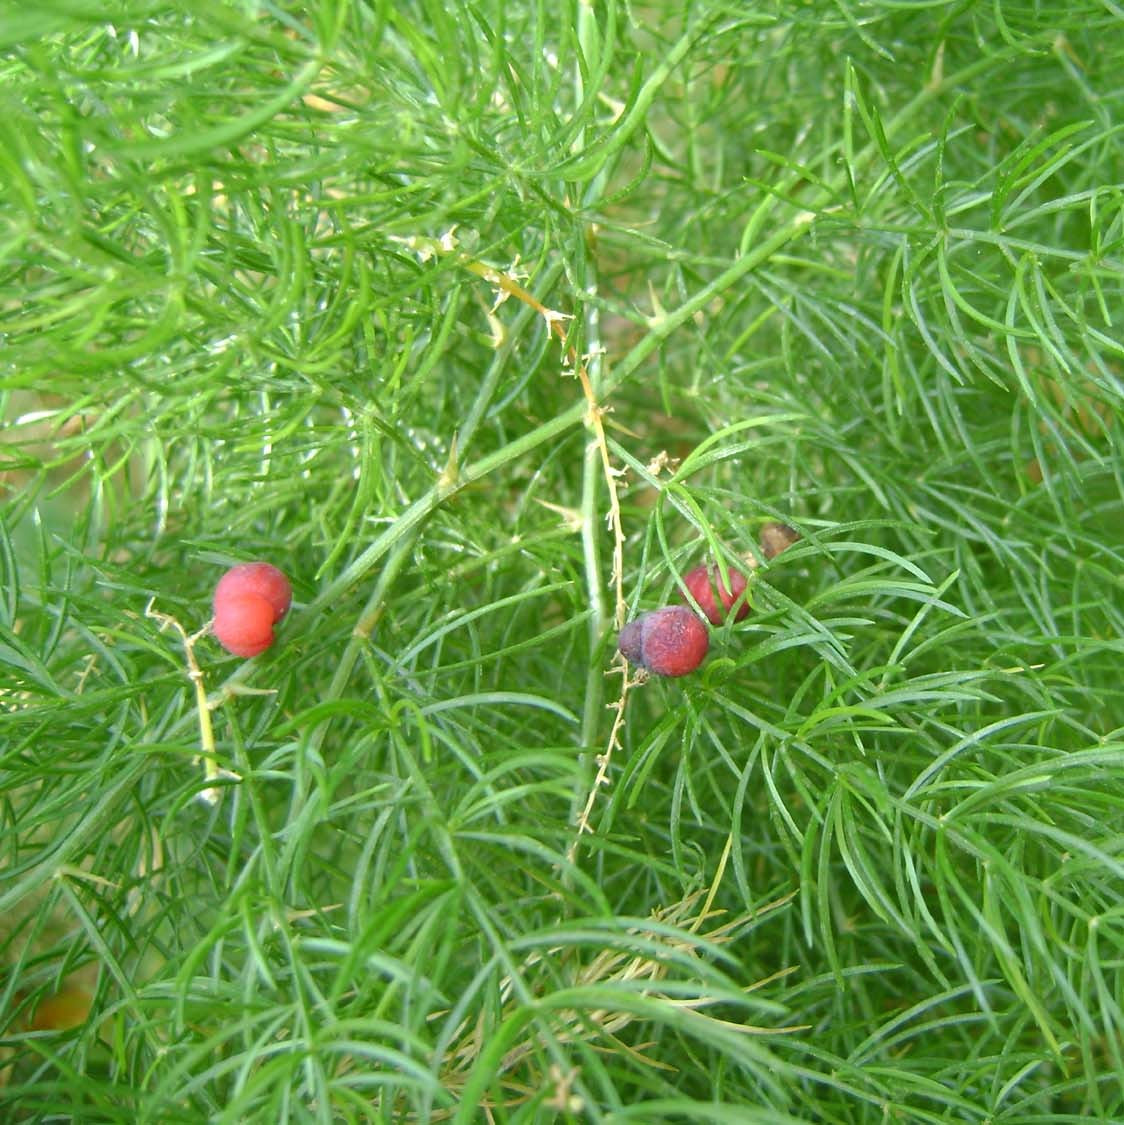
<point x="249" y="600"/>
<point x="673" y="641"/>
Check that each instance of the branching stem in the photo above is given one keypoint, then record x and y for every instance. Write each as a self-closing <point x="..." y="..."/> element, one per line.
<point x="212" y="771"/>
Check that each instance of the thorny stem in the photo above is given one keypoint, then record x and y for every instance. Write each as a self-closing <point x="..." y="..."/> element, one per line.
<point x="507" y="286"/>
<point x="604" y="760"/>
<point x="212" y="771"/>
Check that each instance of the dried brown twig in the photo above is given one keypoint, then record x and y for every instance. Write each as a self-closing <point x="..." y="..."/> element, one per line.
<point x="506" y="285"/>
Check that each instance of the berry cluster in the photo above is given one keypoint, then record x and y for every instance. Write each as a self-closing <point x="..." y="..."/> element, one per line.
<point x="673" y="641"/>
<point x="249" y="600"/>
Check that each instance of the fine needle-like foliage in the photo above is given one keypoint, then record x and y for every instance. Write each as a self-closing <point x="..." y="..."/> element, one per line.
<point x="485" y="320"/>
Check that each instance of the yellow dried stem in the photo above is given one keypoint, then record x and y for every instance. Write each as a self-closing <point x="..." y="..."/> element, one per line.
<point x="604" y="761"/>
<point x="506" y="287"/>
<point x="212" y="771"/>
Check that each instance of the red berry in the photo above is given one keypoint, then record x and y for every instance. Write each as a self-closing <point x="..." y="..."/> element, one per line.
<point x="669" y="642"/>
<point x="702" y="581"/>
<point x="243" y="623"/>
<point x="260" y="578"/>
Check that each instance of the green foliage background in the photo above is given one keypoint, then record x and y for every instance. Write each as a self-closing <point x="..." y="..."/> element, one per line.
<point x="856" y="266"/>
